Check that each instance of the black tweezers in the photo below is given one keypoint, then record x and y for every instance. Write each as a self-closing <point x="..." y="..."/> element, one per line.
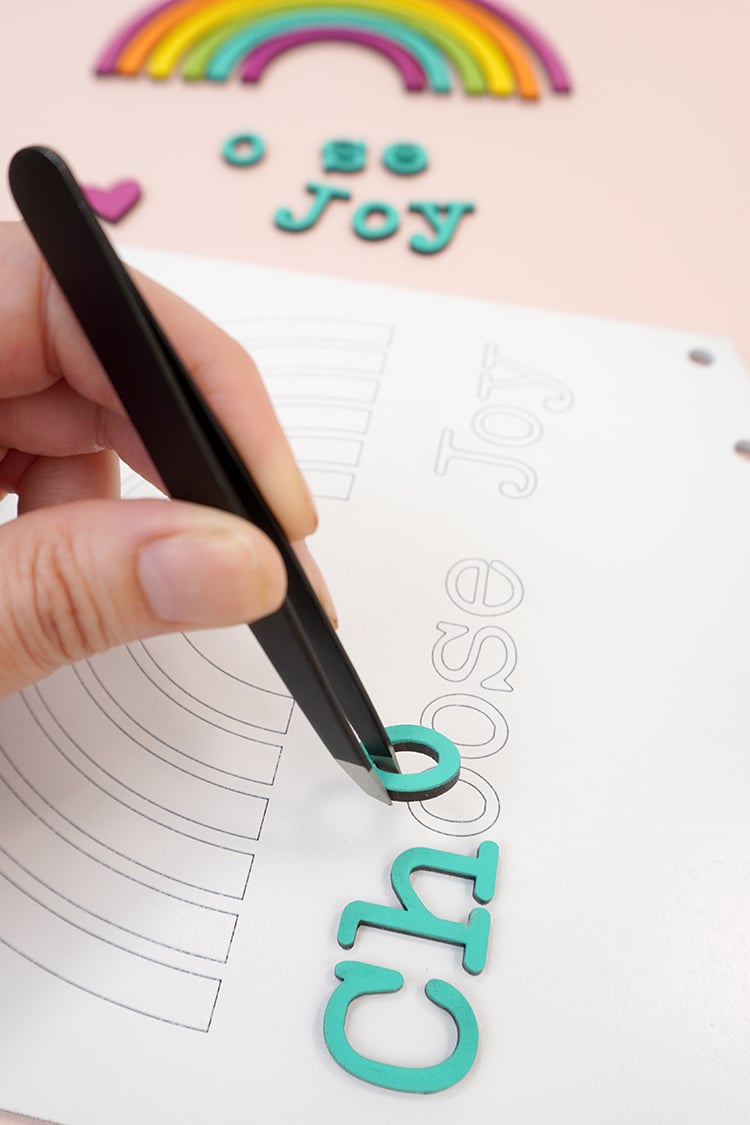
<point x="194" y="457"/>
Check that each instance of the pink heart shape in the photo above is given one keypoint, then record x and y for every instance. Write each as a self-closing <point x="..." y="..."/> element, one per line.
<point x="114" y="202"/>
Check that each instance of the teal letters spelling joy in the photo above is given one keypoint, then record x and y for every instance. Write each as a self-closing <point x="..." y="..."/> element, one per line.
<point x="413" y="917"/>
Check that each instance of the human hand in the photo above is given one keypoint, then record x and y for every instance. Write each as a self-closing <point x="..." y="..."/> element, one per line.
<point x="80" y="569"/>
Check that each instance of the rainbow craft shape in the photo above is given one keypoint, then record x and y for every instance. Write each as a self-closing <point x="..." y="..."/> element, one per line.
<point x="430" y="42"/>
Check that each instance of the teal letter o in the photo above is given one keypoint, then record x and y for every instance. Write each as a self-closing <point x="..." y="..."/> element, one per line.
<point x="388" y="227"/>
<point x="244" y="149"/>
<point x="430" y="782"/>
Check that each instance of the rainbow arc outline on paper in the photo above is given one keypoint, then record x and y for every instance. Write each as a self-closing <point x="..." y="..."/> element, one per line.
<point x="490" y="49"/>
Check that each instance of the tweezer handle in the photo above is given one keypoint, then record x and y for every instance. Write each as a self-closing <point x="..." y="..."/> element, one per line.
<point x="190" y="450"/>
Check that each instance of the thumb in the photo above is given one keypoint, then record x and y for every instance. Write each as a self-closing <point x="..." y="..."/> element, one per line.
<point x="79" y="578"/>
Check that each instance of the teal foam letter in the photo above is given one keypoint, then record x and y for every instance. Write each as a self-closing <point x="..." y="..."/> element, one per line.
<point x="323" y="195"/>
<point x="443" y="218"/>
<point x="359" y="979"/>
<point x="413" y="917"/>
<point x="244" y="149"/>
<point x="388" y="227"/>
<point x="344" y="156"/>
<point x="405" y="159"/>
<point x="430" y="782"/>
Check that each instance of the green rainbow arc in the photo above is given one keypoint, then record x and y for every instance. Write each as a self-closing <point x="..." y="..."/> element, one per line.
<point x="217" y="54"/>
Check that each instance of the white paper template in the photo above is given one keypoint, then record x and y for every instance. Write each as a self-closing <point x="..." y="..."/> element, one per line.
<point x="537" y="533"/>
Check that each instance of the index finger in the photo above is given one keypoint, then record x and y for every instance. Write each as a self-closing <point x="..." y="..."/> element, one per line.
<point x="231" y="384"/>
<point x="51" y="345"/>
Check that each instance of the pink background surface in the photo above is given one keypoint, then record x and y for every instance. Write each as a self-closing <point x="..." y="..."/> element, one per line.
<point x="627" y="200"/>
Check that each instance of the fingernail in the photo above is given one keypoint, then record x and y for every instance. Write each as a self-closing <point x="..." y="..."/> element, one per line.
<point x="218" y="576"/>
<point x="317" y="581"/>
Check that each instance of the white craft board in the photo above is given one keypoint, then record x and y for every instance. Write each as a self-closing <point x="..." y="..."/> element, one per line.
<point x="176" y="847"/>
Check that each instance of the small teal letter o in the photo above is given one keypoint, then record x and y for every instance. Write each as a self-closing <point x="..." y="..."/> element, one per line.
<point x="244" y="149"/>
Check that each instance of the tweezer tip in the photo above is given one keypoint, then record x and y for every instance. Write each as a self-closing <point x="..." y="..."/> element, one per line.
<point x="367" y="780"/>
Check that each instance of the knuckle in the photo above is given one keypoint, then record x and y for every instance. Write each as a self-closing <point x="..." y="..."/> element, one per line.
<point x="62" y="622"/>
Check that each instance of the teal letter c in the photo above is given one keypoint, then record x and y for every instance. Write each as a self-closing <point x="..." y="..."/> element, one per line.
<point x="360" y="979"/>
